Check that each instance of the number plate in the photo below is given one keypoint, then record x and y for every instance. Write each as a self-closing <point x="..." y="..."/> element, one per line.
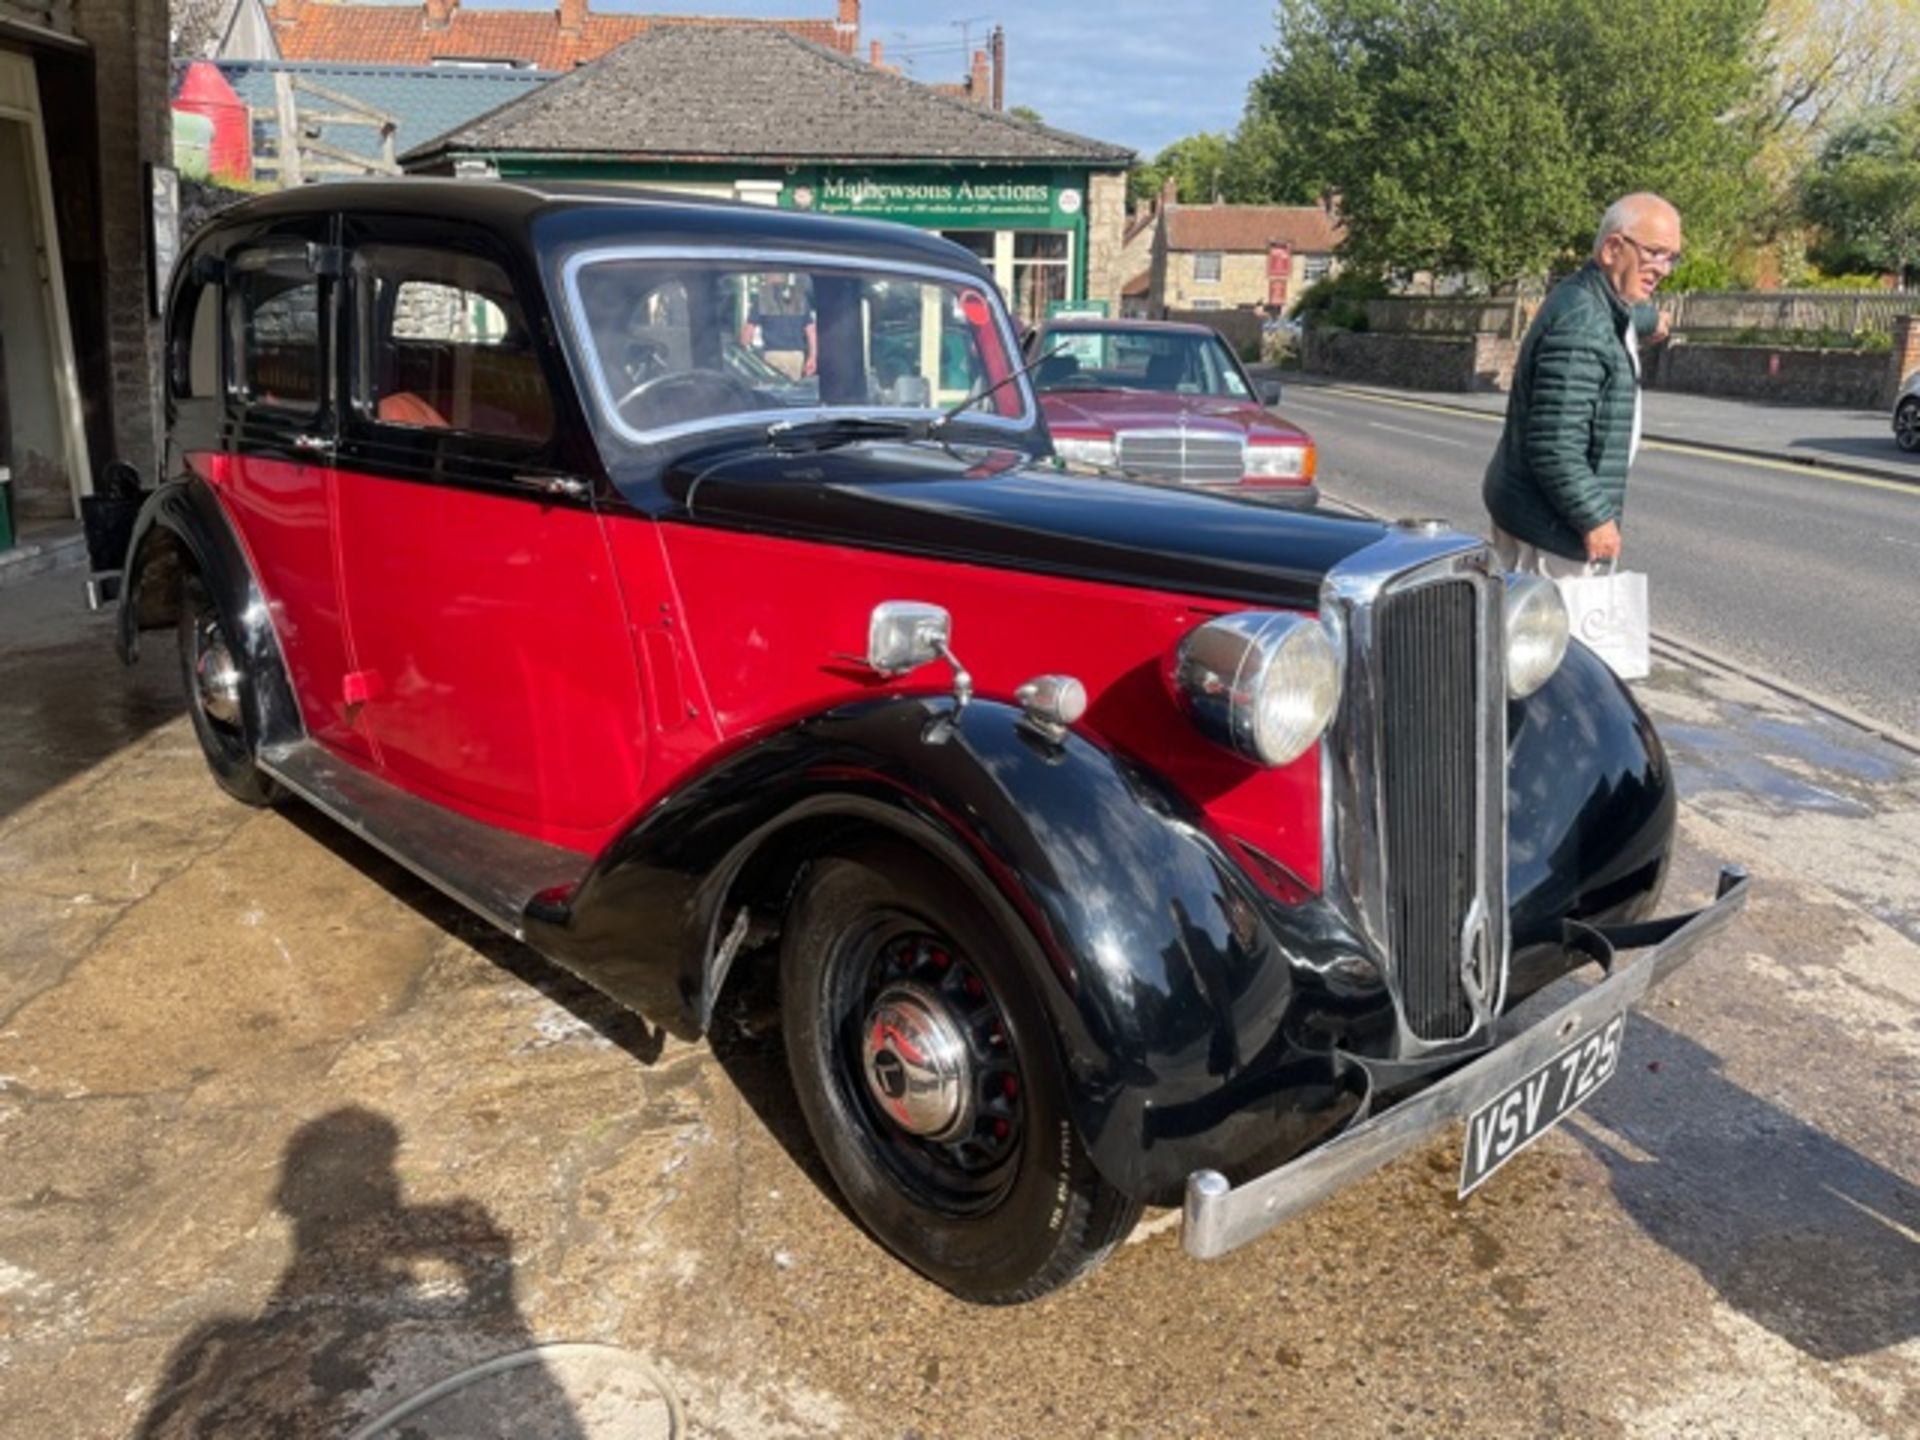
<point x="1533" y="1105"/>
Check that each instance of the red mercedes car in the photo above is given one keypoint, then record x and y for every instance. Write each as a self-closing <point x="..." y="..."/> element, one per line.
<point x="1109" y="844"/>
<point x="1167" y="402"/>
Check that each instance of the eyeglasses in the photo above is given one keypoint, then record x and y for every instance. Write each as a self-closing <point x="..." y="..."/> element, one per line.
<point x="1652" y="254"/>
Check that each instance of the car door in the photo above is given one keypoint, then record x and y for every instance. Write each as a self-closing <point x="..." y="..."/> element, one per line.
<point x="273" y="474"/>
<point x="493" y="666"/>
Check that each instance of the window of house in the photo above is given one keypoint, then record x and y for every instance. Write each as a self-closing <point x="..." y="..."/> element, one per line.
<point x="1206" y="266"/>
<point x="444" y="345"/>
<point x="1206" y="304"/>
<point x="279" y="356"/>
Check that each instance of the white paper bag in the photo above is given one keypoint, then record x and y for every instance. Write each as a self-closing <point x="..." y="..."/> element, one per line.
<point x="1608" y="613"/>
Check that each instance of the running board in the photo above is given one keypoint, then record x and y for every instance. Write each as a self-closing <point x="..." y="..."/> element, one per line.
<point x="493" y="872"/>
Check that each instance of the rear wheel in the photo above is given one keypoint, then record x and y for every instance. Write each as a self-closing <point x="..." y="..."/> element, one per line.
<point x="1906" y="423"/>
<point x="930" y="1079"/>
<point x="218" y="698"/>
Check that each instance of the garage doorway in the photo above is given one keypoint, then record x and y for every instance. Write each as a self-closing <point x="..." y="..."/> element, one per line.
<point x="42" y="443"/>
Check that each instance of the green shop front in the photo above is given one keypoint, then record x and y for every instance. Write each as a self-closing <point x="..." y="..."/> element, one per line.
<point x="667" y="111"/>
<point x="1028" y="226"/>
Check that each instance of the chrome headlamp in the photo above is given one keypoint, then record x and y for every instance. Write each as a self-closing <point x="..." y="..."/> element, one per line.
<point x="1262" y="683"/>
<point x="1536" y="622"/>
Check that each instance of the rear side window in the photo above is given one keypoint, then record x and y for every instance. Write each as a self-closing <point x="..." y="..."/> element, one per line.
<point x="279" y="357"/>
<point x="195" y="360"/>
<point x="444" y="345"/>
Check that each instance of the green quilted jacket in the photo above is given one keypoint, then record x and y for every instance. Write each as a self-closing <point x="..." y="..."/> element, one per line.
<point x="1561" y="466"/>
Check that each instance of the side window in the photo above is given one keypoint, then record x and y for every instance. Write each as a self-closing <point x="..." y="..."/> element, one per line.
<point x="444" y="345"/>
<point x="194" y="364"/>
<point x="274" y="305"/>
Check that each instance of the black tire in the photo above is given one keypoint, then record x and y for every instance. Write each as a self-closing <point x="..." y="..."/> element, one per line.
<point x="1013" y="1208"/>
<point x="223" y="722"/>
<point x="1906" y="424"/>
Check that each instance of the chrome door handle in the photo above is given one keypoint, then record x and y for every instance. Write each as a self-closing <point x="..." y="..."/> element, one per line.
<point x="563" y="487"/>
<point x="312" y="442"/>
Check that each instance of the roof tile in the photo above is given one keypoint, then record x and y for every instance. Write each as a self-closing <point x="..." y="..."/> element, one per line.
<point x="1305" y="228"/>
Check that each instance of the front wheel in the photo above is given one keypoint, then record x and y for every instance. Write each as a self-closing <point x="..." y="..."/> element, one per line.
<point x="217" y="685"/>
<point x="930" y="1079"/>
<point x="1906" y="424"/>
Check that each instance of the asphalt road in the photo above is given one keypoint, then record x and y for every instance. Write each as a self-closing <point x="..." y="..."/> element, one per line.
<point x="1809" y="575"/>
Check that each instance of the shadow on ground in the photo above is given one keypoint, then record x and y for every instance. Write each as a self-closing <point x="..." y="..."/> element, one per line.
<point x="380" y="1296"/>
<point x="1795" y="1229"/>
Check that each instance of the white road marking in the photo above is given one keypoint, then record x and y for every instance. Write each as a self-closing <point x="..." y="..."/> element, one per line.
<point x="1416" y="434"/>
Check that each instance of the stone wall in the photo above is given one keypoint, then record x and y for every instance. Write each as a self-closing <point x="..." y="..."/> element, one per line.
<point x="1412" y="362"/>
<point x="1240" y="328"/>
<point x="1106" y="231"/>
<point x="1855" y="379"/>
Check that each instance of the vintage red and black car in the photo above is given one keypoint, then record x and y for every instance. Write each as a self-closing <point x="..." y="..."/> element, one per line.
<point x="1124" y="845"/>
<point x="1169" y="402"/>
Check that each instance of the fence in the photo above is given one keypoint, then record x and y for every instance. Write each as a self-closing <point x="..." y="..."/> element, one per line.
<point x="1734" y="310"/>
<point x="1450" y="315"/>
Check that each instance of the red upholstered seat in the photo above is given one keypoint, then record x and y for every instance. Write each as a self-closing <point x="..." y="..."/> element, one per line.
<point x="403" y="407"/>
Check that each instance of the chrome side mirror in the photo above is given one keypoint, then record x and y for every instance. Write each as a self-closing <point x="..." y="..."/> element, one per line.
<point x="903" y="635"/>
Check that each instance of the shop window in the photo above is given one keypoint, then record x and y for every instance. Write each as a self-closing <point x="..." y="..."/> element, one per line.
<point x="1206" y="267"/>
<point x="444" y="345"/>
<point x="1042" y="272"/>
<point x="279" y="357"/>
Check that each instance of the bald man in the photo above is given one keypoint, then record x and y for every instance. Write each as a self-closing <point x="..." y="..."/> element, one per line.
<point x="1557" y="484"/>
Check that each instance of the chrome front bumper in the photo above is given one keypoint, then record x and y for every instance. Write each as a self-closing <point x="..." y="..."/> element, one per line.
<point x="1221" y="1217"/>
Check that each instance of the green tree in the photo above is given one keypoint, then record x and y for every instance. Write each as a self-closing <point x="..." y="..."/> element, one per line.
<point x="1863" y="195"/>
<point x="1487" y="135"/>
<point x="1252" y="166"/>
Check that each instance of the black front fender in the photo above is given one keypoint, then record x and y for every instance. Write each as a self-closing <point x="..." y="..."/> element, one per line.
<point x="181" y="527"/>
<point x="1182" y="997"/>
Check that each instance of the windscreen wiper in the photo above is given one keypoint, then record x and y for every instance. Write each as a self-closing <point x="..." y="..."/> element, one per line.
<point x="828" y="432"/>
<point x="940" y="422"/>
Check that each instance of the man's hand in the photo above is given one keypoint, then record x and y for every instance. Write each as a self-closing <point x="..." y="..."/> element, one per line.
<point x="1662" y="328"/>
<point x="1603" y="542"/>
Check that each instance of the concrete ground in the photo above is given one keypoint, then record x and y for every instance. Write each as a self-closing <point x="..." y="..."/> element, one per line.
<point x="288" y="1141"/>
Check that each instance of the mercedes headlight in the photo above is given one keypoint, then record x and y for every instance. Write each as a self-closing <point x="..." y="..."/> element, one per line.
<point x="1263" y="683"/>
<point x="1085" y="449"/>
<point x="1536" y="623"/>
<point x="1279" y="462"/>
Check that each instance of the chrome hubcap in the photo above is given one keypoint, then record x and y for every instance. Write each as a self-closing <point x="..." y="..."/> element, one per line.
<point x="216" y="677"/>
<point x="915" y="1058"/>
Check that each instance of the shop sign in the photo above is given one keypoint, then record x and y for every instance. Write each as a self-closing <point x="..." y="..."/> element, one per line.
<point x="938" y="199"/>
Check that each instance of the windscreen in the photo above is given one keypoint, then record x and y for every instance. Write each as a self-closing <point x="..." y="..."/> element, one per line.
<point x="1171" y="361"/>
<point x="680" y="342"/>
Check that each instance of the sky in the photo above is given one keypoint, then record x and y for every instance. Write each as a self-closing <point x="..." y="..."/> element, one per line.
<point x="1146" y="73"/>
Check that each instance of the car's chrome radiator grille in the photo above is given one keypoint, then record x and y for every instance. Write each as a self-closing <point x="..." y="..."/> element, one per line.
<point x="1176" y="455"/>
<point x="1430" y="783"/>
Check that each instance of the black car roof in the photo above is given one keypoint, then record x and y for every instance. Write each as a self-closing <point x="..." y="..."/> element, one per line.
<point x="578" y="211"/>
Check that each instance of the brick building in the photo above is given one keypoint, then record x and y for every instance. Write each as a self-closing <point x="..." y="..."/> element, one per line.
<point x="83" y="117"/>
<point x="1235" y="257"/>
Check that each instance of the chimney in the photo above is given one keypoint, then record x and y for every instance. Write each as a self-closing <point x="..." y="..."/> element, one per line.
<point x="573" y="17"/>
<point x="873" y="56"/>
<point x="979" y="82"/>
<point x="439" y="14"/>
<point x="848" y="23"/>
<point x="1169" y="193"/>
<point x="999" y="68"/>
